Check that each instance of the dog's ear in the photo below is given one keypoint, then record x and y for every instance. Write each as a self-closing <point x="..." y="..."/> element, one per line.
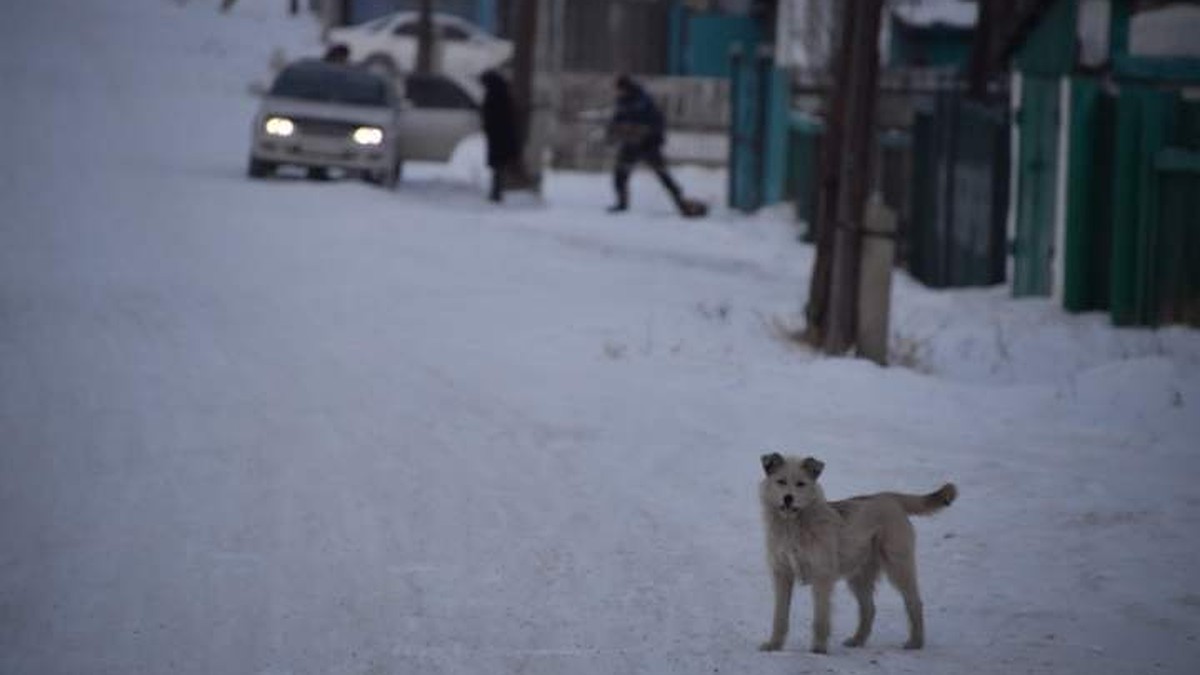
<point x="813" y="466"/>
<point x="772" y="462"/>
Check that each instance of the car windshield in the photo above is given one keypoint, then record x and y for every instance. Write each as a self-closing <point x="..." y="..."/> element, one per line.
<point x="331" y="84"/>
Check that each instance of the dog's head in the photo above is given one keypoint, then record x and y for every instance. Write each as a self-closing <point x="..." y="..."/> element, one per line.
<point x="790" y="484"/>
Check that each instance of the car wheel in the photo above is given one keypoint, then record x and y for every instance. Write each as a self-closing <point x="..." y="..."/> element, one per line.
<point x="259" y="168"/>
<point x="381" y="64"/>
<point x="387" y="178"/>
<point x="393" y="177"/>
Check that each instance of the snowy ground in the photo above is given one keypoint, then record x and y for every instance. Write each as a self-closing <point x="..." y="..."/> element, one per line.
<point x="293" y="427"/>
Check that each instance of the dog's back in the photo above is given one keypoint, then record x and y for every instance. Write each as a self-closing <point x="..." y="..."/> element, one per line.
<point x="907" y="504"/>
<point x="877" y="526"/>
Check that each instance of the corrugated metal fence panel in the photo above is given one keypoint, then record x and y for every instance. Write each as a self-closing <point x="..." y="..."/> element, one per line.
<point x="1089" y="197"/>
<point x="1178" y="277"/>
<point x="707" y="38"/>
<point x="978" y="195"/>
<point x="1049" y="49"/>
<point x="628" y="36"/>
<point x="1156" y="232"/>
<point x="959" y="194"/>
<point x="1033" y="245"/>
<point x="746" y="96"/>
<point x="1141" y="113"/>
<point x="1178" y="176"/>
<point x="804" y="151"/>
<point x="894" y="183"/>
<point x="923" y="234"/>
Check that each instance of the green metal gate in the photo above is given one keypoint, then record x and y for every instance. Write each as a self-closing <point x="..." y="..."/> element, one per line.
<point x="1156" y="226"/>
<point x="959" y="193"/>
<point x="1177" y="283"/>
<point x="758" y="96"/>
<point x="1088" y="255"/>
<point x="1033" y="245"/>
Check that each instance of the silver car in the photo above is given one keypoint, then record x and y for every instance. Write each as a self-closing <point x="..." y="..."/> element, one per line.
<point x="320" y="115"/>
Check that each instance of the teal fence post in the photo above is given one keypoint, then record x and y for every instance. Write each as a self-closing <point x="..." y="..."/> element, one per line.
<point x="745" y="165"/>
<point x="776" y="131"/>
<point x="485" y="15"/>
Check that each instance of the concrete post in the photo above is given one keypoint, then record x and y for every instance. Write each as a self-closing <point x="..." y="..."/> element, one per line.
<point x="875" y="280"/>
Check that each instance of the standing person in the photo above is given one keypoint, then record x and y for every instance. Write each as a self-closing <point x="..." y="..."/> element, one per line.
<point x="500" y="129"/>
<point x="638" y="126"/>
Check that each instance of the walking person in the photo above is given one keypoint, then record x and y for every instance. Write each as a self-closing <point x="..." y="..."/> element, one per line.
<point x="500" y="129"/>
<point x="639" y="127"/>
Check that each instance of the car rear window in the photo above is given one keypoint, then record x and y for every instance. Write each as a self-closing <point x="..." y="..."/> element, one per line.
<point x="331" y="84"/>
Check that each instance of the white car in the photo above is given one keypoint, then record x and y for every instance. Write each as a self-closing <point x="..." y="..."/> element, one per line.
<point x="322" y="115"/>
<point x="388" y="45"/>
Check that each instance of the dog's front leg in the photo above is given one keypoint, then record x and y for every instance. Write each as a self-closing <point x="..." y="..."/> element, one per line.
<point x="822" y="594"/>
<point x="783" y="581"/>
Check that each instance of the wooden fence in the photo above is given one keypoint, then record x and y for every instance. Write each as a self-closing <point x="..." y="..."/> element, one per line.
<point x="696" y="109"/>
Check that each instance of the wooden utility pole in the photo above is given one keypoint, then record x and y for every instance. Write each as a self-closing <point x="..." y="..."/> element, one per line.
<point x="817" y="311"/>
<point x="994" y="20"/>
<point x="425" y="37"/>
<point x="524" y="54"/>
<point x="845" y="180"/>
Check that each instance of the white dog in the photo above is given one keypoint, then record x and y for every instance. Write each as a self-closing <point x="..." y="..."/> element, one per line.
<point x="819" y="542"/>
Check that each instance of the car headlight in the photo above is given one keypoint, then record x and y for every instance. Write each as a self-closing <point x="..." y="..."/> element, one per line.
<point x="368" y="135"/>
<point x="279" y="126"/>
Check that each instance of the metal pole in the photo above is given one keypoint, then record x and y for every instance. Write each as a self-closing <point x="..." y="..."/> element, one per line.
<point x="524" y="53"/>
<point x="425" y="37"/>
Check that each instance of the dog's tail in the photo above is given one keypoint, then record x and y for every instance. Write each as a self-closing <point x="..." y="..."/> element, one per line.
<point x="923" y="505"/>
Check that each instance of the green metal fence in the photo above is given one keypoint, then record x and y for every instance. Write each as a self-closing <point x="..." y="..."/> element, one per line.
<point x="1037" y="170"/>
<point x="959" y="193"/>
<point x="1178" y="279"/>
<point x="1091" y="171"/>
<point x="804" y="153"/>
<point x="1155" y="273"/>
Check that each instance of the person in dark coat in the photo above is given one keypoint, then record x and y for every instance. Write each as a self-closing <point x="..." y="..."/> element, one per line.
<point x="639" y="128"/>
<point x="500" y="129"/>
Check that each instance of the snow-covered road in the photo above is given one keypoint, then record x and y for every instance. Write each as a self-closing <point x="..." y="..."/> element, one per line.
<point x="294" y="427"/>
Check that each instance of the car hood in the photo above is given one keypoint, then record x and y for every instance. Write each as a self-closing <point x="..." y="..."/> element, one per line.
<point x="357" y="114"/>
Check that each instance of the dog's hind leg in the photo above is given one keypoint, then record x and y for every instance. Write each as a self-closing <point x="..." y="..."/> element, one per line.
<point x="901" y="568"/>
<point x="783" y="581"/>
<point x="862" y="584"/>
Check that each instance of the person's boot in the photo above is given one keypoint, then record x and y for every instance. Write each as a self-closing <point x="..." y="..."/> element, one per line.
<point x="496" y="195"/>
<point x="682" y="203"/>
<point x="621" y="185"/>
